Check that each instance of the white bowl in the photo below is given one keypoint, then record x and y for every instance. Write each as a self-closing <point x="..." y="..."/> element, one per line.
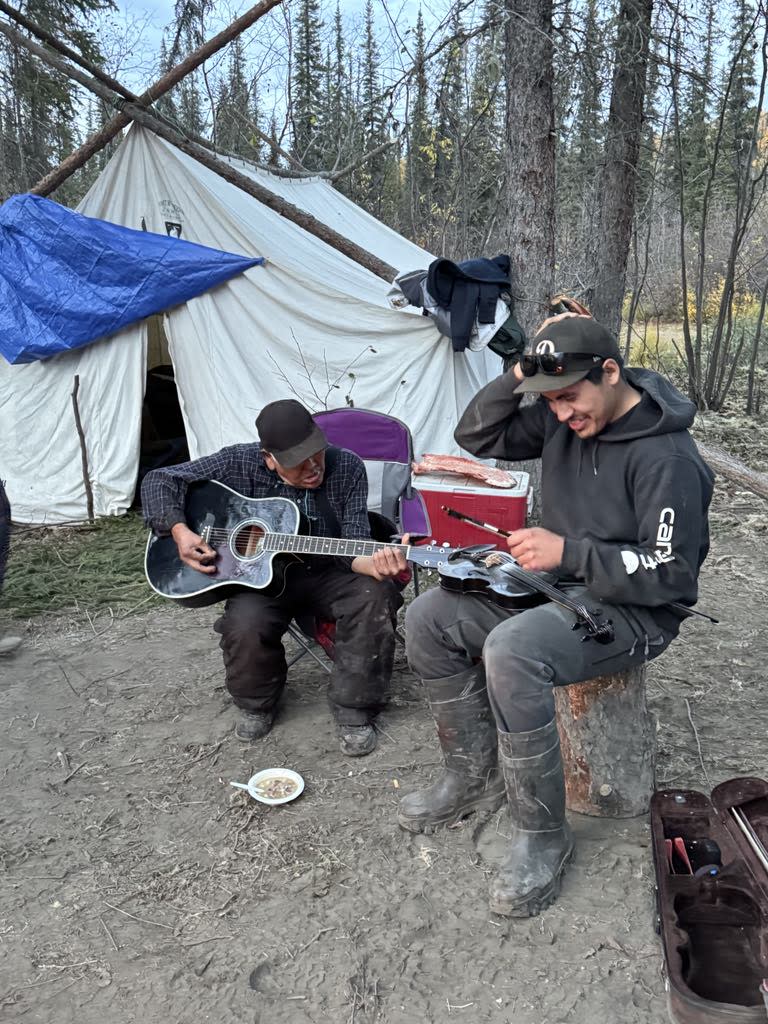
<point x="272" y="773"/>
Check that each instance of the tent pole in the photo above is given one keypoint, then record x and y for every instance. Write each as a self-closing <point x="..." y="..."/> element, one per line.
<point x="65" y="50"/>
<point x="281" y="206"/>
<point x="99" y="139"/>
<point x="117" y="87"/>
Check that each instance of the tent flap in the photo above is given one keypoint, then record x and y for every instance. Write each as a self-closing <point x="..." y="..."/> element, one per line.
<point x="67" y="279"/>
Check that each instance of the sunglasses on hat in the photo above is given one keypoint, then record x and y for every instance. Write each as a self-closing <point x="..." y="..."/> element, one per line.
<point x="555" y="363"/>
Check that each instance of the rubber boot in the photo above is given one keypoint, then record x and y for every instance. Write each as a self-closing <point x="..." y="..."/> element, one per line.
<point x="542" y="843"/>
<point x="466" y="729"/>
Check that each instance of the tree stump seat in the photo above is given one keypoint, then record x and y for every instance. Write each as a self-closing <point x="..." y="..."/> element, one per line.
<point x="608" y="741"/>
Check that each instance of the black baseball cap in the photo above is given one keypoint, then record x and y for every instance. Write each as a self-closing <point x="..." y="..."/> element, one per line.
<point x="288" y="432"/>
<point x="580" y="337"/>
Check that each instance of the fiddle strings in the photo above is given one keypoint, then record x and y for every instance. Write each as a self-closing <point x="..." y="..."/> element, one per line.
<point x="512" y="568"/>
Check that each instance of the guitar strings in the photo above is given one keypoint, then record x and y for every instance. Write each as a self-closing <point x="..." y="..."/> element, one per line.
<point x="222" y="536"/>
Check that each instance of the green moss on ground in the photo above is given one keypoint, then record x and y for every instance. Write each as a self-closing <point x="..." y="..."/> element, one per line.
<point x="81" y="568"/>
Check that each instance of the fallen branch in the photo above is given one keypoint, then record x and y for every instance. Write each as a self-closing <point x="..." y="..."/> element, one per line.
<point x="734" y="469"/>
<point x="83" y="449"/>
<point x="142" y="920"/>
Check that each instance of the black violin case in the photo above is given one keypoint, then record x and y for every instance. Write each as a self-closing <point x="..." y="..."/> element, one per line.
<point x="712" y="901"/>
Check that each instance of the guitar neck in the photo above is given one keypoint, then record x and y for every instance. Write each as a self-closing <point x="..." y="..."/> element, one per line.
<point x="299" y="544"/>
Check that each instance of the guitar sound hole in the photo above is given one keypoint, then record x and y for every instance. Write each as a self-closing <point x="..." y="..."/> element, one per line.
<point x="249" y="540"/>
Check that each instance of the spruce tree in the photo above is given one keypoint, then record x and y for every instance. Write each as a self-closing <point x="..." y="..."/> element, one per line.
<point x="41" y="105"/>
<point x="420" y="156"/>
<point x="237" y="109"/>
<point x="370" y="178"/>
<point x="739" y="143"/>
<point x="306" y="112"/>
<point x="450" y="111"/>
<point x="697" y="119"/>
<point x="483" y="131"/>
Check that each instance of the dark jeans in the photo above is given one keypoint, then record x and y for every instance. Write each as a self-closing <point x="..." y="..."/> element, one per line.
<point x="365" y="612"/>
<point x="5" y="530"/>
<point x="525" y="653"/>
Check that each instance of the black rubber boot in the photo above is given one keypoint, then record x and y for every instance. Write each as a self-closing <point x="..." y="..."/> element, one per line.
<point x="542" y="843"/>
<point x="466" y="729"/>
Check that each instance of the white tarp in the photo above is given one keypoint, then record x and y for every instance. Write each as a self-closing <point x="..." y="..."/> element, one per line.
<point x="310" y="323"/>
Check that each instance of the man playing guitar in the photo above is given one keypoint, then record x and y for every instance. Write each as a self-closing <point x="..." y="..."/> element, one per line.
<point x="330" y="487"/>
<point x="625" y="495"/>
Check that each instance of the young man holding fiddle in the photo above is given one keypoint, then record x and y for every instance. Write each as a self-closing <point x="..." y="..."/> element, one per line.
<point x="625" y="495"/>
<point x="293" y="460"/>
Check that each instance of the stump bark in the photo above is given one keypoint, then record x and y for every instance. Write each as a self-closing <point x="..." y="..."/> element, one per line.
<point x="608" y="741"/>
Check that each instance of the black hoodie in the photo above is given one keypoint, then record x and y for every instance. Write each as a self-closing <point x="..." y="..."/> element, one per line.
<point x="631" y="502"/>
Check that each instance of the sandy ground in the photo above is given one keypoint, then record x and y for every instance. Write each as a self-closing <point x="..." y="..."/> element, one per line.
<point x="138" y="886"/>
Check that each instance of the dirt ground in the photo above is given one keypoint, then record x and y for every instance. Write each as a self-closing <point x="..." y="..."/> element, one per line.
<point x="137" y="885"/>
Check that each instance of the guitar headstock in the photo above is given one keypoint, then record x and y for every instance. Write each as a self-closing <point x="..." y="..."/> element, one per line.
<point x="430" y="556"/>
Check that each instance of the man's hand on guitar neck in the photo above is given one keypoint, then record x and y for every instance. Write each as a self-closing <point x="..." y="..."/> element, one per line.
<point x="386" y="564"/>
<point x="193" y="551"/>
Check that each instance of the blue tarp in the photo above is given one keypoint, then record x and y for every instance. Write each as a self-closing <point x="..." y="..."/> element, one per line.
<point x="67" y="280"/>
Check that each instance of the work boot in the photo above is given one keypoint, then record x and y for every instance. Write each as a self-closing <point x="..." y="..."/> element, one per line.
<point x="8" y="644"/>
<point x="466" y="729"/>
<point x="541" y="843"/>
<point x="253" y="725"/>
<point x="357" y="740"/>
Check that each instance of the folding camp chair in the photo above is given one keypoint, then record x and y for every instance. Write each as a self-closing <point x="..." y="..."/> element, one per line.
<point x="385" y="445"/>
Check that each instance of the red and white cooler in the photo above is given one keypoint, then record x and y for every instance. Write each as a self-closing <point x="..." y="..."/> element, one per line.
<point x="506" y="507"/>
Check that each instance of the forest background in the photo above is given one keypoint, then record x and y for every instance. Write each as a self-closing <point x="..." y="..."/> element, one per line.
<point x="651" y="138"/>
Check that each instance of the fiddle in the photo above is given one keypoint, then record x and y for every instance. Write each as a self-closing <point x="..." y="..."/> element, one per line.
<point x="495" y="574"/>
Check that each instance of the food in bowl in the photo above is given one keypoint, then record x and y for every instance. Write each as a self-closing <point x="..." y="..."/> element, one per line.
<point x="277" y="788"/>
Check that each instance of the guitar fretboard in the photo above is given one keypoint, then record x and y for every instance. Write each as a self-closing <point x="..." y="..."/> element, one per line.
<point x="292" y="543"/>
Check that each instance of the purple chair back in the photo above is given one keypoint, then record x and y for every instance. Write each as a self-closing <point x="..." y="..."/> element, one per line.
<point x="384" y="444"/>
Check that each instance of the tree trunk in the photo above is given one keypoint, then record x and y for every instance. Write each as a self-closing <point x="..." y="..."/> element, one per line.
<point x="622" y="149"/>
<point x="529" y="151"/>
<point x="529" y="162"/>
<point x="608" y="741"/>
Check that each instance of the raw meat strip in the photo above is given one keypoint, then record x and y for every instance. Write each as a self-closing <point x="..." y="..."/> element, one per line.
<point x="465" y="467"/>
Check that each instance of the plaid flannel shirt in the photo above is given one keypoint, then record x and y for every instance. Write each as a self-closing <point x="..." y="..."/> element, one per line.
<point x="242" y="468"/>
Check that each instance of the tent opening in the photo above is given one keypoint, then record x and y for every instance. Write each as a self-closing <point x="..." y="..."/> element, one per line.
<point x="163" y="438"/>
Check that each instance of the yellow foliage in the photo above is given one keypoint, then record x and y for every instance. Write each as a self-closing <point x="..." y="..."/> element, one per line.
<point x="653" y="344"/>
<point x="745" y="304"/>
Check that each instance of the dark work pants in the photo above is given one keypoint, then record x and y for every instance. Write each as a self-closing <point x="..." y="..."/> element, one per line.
<point x="5" y="530"/>
<point x="365" y="612"/>
<point x="525" y="653"/>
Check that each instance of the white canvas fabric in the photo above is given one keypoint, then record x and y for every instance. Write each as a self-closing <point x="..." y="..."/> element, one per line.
<point x="310" y="324"/>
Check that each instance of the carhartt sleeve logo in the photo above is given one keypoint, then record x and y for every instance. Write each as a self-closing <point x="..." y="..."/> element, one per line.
<point x="663" y="553"/>
<point x="631" y="561"/>
<point x="664" y="536"/>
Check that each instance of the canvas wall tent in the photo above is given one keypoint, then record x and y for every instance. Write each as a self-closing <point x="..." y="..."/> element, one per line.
<point x="310" y="323"/>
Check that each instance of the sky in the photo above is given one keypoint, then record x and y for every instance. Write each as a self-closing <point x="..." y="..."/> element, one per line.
<point x="132" y="36"/>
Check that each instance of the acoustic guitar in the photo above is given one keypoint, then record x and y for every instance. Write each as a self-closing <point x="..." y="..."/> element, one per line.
<point x="255" y="540"/>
